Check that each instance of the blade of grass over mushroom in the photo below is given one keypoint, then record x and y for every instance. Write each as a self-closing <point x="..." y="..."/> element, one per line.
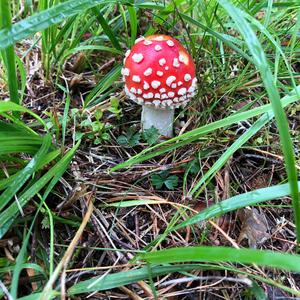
<point x="262" y="65"/>
<point x="9" y="54"/>
<point x="281" y="261"/>
<point x="198" y="132"/>
<point x="44" y="19"/>
<point x="133" y="23"/>
<point x="239" y="201"/>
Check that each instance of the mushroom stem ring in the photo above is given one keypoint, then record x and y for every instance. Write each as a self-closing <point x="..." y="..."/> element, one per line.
<point x="159" y="74"/>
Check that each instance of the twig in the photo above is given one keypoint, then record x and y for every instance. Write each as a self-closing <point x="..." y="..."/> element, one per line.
<point x="47" y="291"/>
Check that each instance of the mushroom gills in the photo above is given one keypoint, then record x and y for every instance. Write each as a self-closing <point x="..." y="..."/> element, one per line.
<point x="161" y="119"/>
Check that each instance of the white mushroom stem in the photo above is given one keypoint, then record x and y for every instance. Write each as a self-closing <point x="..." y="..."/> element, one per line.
<point x="161" y="119"/>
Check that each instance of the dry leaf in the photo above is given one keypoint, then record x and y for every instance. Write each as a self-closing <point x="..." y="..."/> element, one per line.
<point x="254" y="227"/>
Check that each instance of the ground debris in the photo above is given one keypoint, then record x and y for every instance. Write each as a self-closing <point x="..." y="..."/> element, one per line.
<point x="254" y="227"/>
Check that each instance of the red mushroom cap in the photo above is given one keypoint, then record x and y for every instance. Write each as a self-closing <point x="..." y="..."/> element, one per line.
<point x="159" y="71"/>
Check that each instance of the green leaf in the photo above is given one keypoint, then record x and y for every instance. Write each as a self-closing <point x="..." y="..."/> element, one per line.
<point x="114" y="102"/>
<point x="36" y="296"/>
<point x="195" y="134"/>
<point x="151" y="135"/>
<point x="257" y="291"/>
<point x="251" y="198"/>
<point x="104" y="84"/>
<point x="171" y="182"/>
<point x="282" y="261"/>
<point x="23" y="176"/>
<point x="221" y="161"/>
<point x="46" y="18"/>
<point x="106" y="28"/>
<point x="51" y="176"/>
<point x="78" y="135"/>
<point x="193" y="167"/>
<point x="7" y="106"/>
<point x="15" y="138"/>
<point x="163" y="178"/>
<point x="131" y="138"/>
<point x="131" y="203"/>
<point x="261" y="63"/>
<point x="8" y="53"/>
<point x="122" y="140"/>
<point x="111" y="281"/>
<point x="157" y="181"/>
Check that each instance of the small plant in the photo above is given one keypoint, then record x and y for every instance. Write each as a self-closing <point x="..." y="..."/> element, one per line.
<point x="163" y="178"/>
<point x="193" y="167"/>
<point x="132" y="138"/>
<point x="151" y="135"/>
<point x="95" y="130"/>
<point x="115" y="107"/>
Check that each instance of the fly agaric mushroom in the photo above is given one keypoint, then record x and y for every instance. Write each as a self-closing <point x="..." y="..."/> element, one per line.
<point x="159" y="74"/>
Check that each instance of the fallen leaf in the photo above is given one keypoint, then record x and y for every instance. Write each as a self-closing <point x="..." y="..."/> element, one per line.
<point x="254" y="227"/>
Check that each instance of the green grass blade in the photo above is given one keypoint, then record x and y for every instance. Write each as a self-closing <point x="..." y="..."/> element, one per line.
<point x="54" y="173"/>
<point x="106" y="28"/>
<point x="239" y="201"/>
<point x="219" y="36"/>
<point x="7" y="106"/>
<point x="103" y="85"/>
<point x="133" y="24"/>
<point x="123" y="278"/>
<point x="44" y="19"/>
<point x="23" y="176"/>
<point x="281" y="261"/>
<point x="22" y="72"/>
<point x="131" y="203"/>
<point x="15" y="139"/>
<point x="91" y="47"/>
<point x="271" y="38"/>
<point x="262" y="65"/>
<point x="65" y="119"/>
<point x="4" y="183"/>
<point x="8" y="53"/>
<point x="20" y="260"/>
<point x="260" y="123"/>
<point x="36" y="296"/>
<point x="198" y="132"/>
